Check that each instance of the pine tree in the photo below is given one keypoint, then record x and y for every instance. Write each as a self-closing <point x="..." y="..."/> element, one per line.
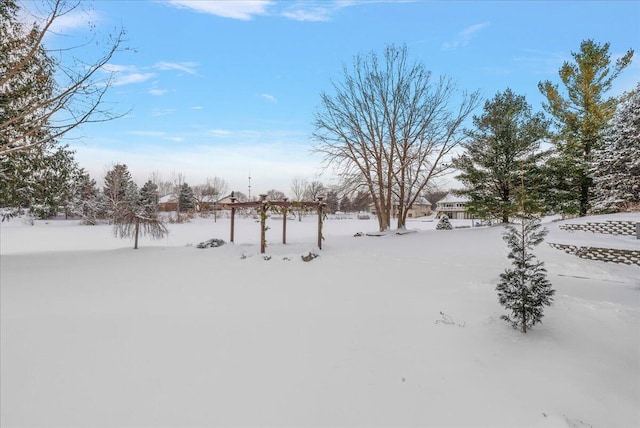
<point x="504" y="142"/>
<point x="524" y="290"/>
<point x="149" y="199"/>
<point x="444" y="223"/>
<point x="361" y="201"/>
<point x="54" y="182"/>
<point x="331" y="201"/>
<point x="120" y="192"/>
<point x="41" y="179"/>
<point x="26" y="82"/>
<point x="86" y="200"/>
<point x="345" y="204"/>
<point x="582" y="118"/>
<point x="44" y="94"/>
<point x="616" y="166"/>
<point x="187" y="200"/>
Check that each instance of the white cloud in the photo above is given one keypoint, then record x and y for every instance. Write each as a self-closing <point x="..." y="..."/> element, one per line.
<point x="127" y="79"/>
<point x="468" y="32"/>
<point x="244" y="10"/>
<point x="316" y="14"/>
<point x="323" y="10"/>
<point x="270" y="98"/>
<point x="126" y="74"/>
<point x="76" y="19"/>
<point x="157" y="135"/>
<point x="197" y="108"/>
<point x="157" y="92"/>
<point x="147" y="133"/>
<point x="186" y="67"/>
<point x="465" y="36"/>
<point x="219" y="132"/>
<point x="118" y="68"/>
<point x="163" y="111"/>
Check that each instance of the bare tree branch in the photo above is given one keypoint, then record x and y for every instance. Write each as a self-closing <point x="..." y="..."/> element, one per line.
<point x="45" y="96"/>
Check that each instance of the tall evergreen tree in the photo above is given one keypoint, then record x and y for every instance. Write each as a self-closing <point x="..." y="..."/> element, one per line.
<point x="581" y="118"/>
<point x="345" y="204"/>
<point x="616" y="166"/>
<point x="361" y="201"/>
<point x="331" y="201"/>
<point x="55" y="180"/>
<point x="86" y="198"/>
<point x="524" y="290"/>
<point x="149" y="199"/>
<point x="120" y="192"/>
<point x="26" y="82"/>
<point x="503" y="145"/>
<point x="37" y="85"/>
<point x="41" y="179"/>
<point x="186" y="199"/>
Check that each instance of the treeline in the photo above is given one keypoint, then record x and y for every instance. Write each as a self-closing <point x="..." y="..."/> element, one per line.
<point x="591" y="162"/>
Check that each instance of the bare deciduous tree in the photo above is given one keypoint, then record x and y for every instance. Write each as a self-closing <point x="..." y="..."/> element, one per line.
<point x="298" y="187"/>
<point x="177" y="179"/>
<point x="275" y="195"/>
<point x="164" y="187"/>
<point x="390" y="127"/>
<point x="44" y="94"/>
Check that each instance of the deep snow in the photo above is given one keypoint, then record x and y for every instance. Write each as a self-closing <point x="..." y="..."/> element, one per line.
<point x="96" y="334"/>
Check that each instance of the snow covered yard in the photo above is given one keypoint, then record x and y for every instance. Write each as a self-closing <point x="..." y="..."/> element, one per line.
<point x="94" y="333"/>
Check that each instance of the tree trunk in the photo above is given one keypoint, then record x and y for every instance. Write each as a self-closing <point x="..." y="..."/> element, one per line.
<point x="584" y="196"/>
<point x="320" y="214"/>
<point x="135" y="246"/>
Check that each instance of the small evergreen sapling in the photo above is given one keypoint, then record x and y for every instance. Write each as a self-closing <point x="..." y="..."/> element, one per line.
<point x="524" y="289"/>
<point x="444" y="223"/>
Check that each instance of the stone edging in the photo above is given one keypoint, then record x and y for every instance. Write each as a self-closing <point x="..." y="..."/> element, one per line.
<point x="628" y="257"/>
<point x="610" y="227"/>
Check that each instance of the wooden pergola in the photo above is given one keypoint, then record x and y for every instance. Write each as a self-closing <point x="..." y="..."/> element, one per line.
<point x="263" y="206"/>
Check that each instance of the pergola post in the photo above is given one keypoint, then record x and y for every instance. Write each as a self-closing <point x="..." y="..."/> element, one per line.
<point x="284" y="221"/>
<point x="233" y="215"/>
<point x="263" y="220"/>
<point x="320" y="215"/>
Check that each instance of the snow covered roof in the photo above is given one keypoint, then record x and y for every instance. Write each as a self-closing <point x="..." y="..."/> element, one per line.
<point x="167" y="198"/>
<point x="453" y="197"/>
<point x="422" y="201"/>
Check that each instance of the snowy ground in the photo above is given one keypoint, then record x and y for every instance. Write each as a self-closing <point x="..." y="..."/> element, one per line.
<point x="96" y="334"/>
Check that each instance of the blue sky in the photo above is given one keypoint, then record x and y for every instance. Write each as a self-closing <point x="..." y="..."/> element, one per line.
<point x="230" y="88"/>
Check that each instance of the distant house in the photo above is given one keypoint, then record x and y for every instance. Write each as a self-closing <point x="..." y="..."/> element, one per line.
<point x="420" y="208"/>
<point x="168" y="203"/>
<point x="210" y="203"/>
<point x="454" y="206"/>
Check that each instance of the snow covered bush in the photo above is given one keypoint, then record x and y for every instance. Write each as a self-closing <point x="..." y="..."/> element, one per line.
<point x="444" y="223"/>
<point x="524" y="289"/>
<point x="211" y="243"/>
